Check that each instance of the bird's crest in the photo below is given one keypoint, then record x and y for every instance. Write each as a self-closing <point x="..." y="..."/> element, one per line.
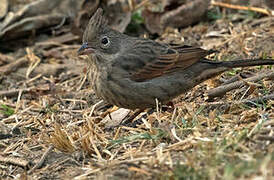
<point x="96" y="24"/>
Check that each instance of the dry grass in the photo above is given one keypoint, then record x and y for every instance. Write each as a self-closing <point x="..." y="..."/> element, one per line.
<point x="225" y="139"/>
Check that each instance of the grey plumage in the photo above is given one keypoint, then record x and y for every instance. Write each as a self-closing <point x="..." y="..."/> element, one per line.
<point x="132" y="72"/>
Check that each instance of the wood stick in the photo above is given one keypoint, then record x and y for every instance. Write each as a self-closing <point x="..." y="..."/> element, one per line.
<point x="5" y="59"/>
<point x="232" y="6"/>
<point x="15" y="161"/>
<point x="266" y="138"/>
<point x="220" y="91"/>
<point x="13" y="66"/>
<point x="42" y="160"/>
<point x="13" y="92"/>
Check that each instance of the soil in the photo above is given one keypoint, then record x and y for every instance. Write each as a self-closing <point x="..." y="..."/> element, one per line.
<point x="49" y="129"/>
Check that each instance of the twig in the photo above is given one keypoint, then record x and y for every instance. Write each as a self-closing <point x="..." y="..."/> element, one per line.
<point x="47" y="69"/>
<point x="231" y="6"/>
<point x="34" y="61"/>
<point x="57" y="41"/>
<point x="33" y="79"/>
<point x="15" y="161"/>
<point x="5" y="59"/>
<point x="14" y="92"/>
<point x="42" y="160"/>
<point x="56" y="165"/>
<point x="257" y="100"/>
<point x="132" y="117"/>
<point x="237" y="78"/>
<point x="18" y="100"/>
<point x="7" y="69"/>
<point x="250" y="102"/>
<point x="142" y="171"/>
<point x="220" y="91"/>
<point x="266" y="138"/>
<point x="143" y="3"/>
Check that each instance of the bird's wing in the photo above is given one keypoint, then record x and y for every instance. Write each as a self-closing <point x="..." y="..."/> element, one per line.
<point x="156" y="59"/>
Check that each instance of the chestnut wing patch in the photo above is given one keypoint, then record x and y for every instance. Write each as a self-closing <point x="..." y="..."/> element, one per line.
<point x="175" y="58"/>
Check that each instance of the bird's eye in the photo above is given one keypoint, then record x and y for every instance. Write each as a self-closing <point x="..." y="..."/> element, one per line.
<point x="105" y="41"/>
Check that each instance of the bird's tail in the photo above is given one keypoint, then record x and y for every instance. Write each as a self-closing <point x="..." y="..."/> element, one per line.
<point x="208" y="69"/>
<point x="247" y="62"/>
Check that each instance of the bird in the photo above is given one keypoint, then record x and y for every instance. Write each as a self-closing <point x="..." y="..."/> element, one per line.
<point x="132" y="72"/>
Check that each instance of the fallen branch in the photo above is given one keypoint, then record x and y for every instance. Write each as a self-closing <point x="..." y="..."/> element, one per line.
<point x="220" y="91"/>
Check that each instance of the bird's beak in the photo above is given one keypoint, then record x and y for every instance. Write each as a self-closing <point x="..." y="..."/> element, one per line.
<point x="85" y="49"/>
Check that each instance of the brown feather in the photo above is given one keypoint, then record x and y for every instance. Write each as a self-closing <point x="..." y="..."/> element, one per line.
<point x="178" y="57"/>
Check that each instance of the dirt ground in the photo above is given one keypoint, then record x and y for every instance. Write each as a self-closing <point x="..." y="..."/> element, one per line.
<point x="49" y="128"/>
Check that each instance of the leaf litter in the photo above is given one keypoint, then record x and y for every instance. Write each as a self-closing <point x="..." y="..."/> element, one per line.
<point x="51" y="129"/>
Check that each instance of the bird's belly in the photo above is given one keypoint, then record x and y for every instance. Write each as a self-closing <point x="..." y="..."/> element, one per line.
<point x="123" y="92"/>
<point x="126" y="93"/>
